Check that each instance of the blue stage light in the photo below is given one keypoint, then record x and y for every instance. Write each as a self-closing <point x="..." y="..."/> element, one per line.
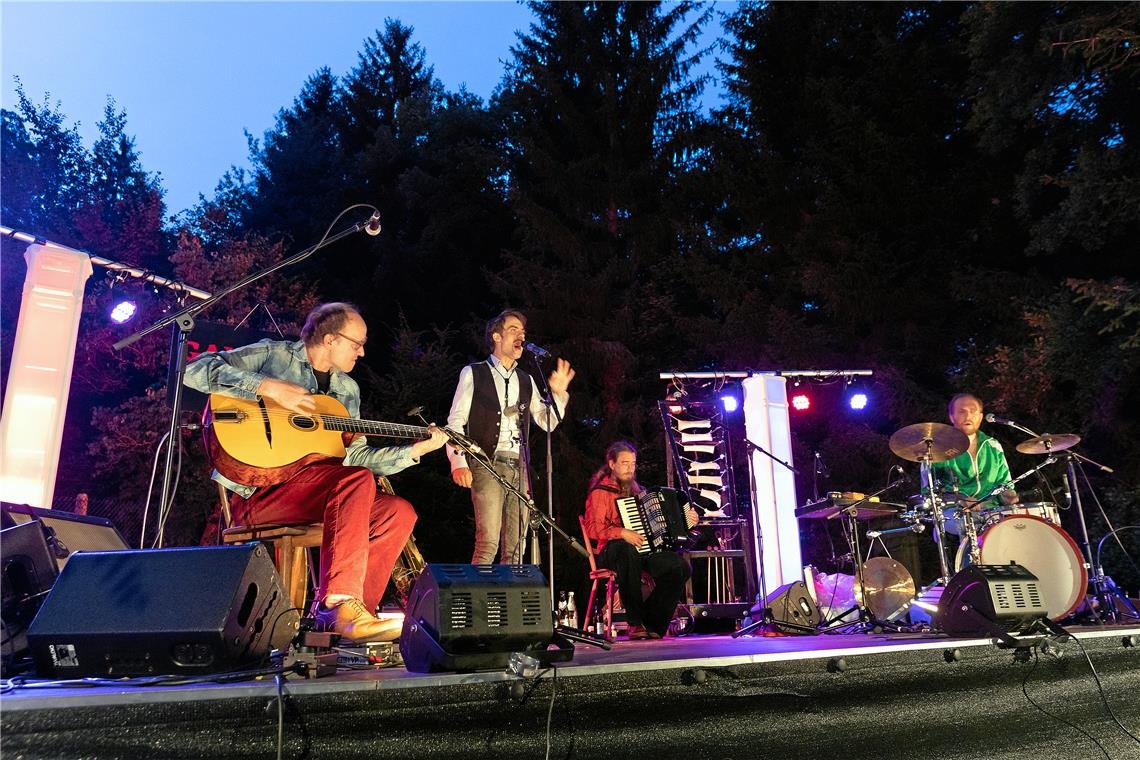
<point x="123" y="311"/>
<point x="858" y="401"/>
<point x="730" y="403"/>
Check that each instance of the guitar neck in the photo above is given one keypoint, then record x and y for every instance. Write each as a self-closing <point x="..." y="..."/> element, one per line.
<point x="372" y="427"/>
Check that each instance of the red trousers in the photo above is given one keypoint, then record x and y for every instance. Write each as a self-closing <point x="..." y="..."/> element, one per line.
<point x="364" y="530"/>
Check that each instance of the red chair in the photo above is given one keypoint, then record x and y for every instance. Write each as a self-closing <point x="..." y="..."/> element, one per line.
<point x="596" y="575"/>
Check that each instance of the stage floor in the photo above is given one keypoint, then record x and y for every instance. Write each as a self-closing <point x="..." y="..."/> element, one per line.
<point x="685" y="653"/>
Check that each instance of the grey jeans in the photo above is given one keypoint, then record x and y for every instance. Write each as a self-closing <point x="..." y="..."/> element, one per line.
<point x="500" y="518"/>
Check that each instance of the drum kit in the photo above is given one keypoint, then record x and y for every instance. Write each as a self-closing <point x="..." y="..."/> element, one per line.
<point x="1027" y="533"/>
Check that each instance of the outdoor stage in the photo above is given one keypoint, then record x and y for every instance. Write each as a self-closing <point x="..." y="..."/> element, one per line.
<point x="850" y="696"/>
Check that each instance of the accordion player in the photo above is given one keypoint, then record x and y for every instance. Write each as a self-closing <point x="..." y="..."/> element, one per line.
<point x="659" y="516"/>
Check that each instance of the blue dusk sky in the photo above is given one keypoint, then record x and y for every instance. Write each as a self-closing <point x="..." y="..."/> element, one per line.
<point x="192" y="76"/>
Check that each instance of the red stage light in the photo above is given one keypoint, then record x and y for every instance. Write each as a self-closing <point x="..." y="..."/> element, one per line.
<point x="801" y="402"/>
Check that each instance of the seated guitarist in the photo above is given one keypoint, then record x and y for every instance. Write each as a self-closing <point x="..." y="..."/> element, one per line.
<point x="617" y="547"/>
<point x="364" y="530"/>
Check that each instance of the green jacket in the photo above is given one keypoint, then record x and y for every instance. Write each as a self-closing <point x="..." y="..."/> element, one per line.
<point x="975" y="476"/>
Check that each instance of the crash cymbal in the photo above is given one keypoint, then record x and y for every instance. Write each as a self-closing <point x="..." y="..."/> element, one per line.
<point x="1048" y="443"/>
<point x="889" y="586"/>
<point x="929" y="439"/>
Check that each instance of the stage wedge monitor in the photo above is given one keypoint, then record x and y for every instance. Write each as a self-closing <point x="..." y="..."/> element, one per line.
<point x="984" y="598"/>
<point x="471" y="617"/>
<point x="162" y="611"/>
<point x="69" y="533"/>
<point x="792" y="605"/>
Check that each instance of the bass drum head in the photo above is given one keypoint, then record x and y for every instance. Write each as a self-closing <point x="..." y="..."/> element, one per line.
<point x="1046" y="551"/>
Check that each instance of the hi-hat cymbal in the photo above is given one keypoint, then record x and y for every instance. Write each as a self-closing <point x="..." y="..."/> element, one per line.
<point x="1048" y="443"/>
<point x="889" y="587"/>
<point x="931" y="440"/>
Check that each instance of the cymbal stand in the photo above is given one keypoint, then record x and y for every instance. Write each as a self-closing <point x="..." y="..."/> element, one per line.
<point x="1096" y="574"/>
<point x="934" y="499"/>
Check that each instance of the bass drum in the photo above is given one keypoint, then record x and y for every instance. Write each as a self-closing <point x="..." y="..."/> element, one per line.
<point x="1042" y="548"/>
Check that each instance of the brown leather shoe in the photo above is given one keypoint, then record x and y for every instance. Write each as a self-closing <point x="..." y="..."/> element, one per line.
<point x="637" y="632"/>
<point x="353" y="622"/>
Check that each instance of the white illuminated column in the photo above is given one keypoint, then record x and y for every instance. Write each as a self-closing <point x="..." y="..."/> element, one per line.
<point x="774" y="514"/>
<point x="39" y="380"/>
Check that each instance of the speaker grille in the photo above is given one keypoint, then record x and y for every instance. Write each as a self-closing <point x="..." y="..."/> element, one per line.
<point x="532" y="612"/>
<point x="462" y="614"/>
<point x="498" y="615"/>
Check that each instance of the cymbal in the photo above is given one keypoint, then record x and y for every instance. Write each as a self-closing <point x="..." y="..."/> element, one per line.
<point x="1048" y="443"/>
<point x="889" y="586"/>
<point x="928" y="439"/>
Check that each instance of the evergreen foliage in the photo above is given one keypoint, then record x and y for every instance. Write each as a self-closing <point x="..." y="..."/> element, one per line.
<point x="945" y="193"/>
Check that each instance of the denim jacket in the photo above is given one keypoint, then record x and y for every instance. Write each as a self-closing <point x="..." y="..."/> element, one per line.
<point x="239" y="372"/>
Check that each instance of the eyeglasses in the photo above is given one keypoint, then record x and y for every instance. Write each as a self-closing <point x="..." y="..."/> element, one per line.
<point x="358" y="343"/>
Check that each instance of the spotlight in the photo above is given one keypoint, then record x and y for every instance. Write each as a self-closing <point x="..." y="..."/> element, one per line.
<point x="857" y="401"/>
<point x="123" y="311"/>
<point x="801" y="402"/>
<point x="730" y="403"/>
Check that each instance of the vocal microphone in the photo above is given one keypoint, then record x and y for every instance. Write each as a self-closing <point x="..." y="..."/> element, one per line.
<point x="536" y="350"/>
<point x="415" y="411"/>
<point x="373" y="226"/>
<point x="1000" y="420"/>
<point x="822" y="467"/>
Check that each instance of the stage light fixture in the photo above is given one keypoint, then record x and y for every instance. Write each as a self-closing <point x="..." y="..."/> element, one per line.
<point x="123" y="311"/>
<point x="801" y="402"/>
<point x="857" y="401"/>
<point x="730" y="403"/>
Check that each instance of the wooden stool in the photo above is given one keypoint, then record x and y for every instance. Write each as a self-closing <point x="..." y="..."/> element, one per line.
<point x="290" y="545"/>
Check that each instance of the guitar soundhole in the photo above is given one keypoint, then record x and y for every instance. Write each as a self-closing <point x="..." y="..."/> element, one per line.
<point x="302" y="422"/>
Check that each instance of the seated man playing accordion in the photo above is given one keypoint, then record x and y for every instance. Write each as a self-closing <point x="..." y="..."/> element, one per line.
<point x="617" y="547"/>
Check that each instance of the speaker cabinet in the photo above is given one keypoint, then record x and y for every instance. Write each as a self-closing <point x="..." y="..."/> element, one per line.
<point x="792" y="604"/>
<point x="472" y="617"/>
<point x="162" y="611"/>
<point x="68" y="533"/>
<point x="983" y="599"/>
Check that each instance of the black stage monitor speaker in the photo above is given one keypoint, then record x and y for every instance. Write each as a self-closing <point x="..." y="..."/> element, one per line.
<point x="471" y="617"/>
<point x="983" y="599"/>
<point x="69" y="533"/>
<point x="792" y="604"/>
<point x="162" y="611"/>
<point x="27" y="572"/>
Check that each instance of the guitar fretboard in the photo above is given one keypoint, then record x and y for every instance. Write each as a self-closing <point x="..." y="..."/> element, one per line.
<point x="371" y="427"/>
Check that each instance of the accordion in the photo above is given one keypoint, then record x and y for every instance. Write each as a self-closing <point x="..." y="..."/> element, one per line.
<point x="658" y="516"/>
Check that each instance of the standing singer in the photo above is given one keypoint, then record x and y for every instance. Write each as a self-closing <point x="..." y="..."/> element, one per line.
<point x="493" y="404"/>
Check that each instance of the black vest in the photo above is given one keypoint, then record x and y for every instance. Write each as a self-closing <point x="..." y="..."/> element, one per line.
<point x="486" y="413"/>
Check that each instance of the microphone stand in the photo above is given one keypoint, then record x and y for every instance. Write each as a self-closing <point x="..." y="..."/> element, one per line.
<point x="548" y="399"/>
<point x="763" y="610"/>
<point x="475" y="454"/>
<point x="183" y="322"/>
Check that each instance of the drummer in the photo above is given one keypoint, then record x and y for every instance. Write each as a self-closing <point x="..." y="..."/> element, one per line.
<point x="976" y="472"/>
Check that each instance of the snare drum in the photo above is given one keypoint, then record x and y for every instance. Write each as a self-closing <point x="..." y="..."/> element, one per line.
<point x="1041" y="547"/>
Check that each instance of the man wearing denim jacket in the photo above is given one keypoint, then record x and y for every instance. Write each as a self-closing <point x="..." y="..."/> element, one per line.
<point x="364" y="531"/>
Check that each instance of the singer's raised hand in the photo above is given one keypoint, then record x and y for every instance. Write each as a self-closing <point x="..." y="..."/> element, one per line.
<point x="560" y="378"/>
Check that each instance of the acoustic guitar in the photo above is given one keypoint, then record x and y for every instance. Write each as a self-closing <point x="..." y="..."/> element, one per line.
<point x="260" y="443"/>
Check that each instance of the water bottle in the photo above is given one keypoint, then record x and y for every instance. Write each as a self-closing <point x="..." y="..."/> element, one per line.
<point x="571" y="612"/>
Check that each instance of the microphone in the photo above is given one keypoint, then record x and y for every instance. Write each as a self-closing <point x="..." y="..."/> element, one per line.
<point x="1000" y="420"/>
<point x="415" y="411"/>
<point x="821" y="467"/>
<point x="373" y="226"/>
<point x="536" y="350"/>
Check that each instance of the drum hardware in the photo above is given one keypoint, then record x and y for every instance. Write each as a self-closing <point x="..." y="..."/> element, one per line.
<point x="877" y="584"/>
<point x="1047" y="444"/>
<point x="927" y="443"/>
